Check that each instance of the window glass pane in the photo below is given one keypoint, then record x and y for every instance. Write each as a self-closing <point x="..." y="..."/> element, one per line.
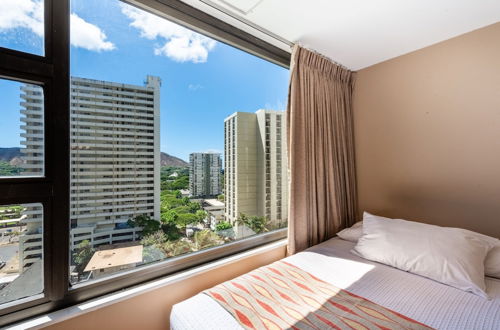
<point x="177" y="142"/>
<point x="21" y="257"/>
<point x="21" y="129"/>
<point x="22" y="25"/>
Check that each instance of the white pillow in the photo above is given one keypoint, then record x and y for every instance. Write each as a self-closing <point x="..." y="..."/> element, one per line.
<point x="353" y="233"/>
<point x="452" y="256"/>
<point x="492" y="262"/>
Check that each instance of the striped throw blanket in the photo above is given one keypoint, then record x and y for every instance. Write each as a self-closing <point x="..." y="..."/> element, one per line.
<point x="283" y="296"/>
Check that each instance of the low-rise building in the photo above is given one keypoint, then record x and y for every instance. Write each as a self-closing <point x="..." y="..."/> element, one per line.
<point x="215" y="211"/>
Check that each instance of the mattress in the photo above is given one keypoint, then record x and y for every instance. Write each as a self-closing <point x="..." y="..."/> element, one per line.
<point x="424" y="300"/>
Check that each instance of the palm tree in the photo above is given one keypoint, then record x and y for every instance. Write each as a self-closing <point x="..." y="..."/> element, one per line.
<point x="257" y="223"/>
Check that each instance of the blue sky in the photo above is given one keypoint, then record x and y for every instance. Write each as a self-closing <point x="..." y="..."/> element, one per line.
<point x="202" y="81"/>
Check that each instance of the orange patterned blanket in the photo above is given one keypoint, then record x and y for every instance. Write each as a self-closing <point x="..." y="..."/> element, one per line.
<point x="283" y="296"/>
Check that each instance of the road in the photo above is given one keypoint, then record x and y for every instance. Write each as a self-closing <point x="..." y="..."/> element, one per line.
<point x="8" y="251"/>
<point x="5" y="230"/>
<point x="5" y="234"/>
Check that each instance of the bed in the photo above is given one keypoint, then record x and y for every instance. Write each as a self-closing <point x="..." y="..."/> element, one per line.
<point x="432" y="303"/>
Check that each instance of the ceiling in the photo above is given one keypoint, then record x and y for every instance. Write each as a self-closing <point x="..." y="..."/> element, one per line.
<point x="357" y="33"/>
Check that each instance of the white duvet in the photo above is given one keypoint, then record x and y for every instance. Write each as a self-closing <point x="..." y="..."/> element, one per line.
<point x="432" y="303"/>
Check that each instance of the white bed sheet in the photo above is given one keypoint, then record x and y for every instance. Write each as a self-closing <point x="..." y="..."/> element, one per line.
<point x="432" y="303"/>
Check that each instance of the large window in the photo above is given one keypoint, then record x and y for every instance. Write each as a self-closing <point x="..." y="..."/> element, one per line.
<point x="168" y="141"/>
<point x="133" y="148"/>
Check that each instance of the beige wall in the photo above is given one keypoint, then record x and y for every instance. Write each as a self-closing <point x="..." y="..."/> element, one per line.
<point x="427" y="129"/>
<point x="151" y="310"/>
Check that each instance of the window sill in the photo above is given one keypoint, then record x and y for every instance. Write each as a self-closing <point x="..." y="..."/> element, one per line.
<point x="106" y="300"/>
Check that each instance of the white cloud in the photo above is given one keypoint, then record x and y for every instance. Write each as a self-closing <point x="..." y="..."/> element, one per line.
<point x="181" y="44"/>
<point x="22" y="14"/>
<point x="88" y="36"/>
<point x="29" y="14"/>
<point x="195" y="87"/>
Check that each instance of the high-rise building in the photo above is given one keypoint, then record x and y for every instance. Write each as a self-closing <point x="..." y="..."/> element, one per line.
<point x="205" y="174"/>
<point x="32" y="140"/>
<point x="256" y="165"/>
<point x="115" y="158"/>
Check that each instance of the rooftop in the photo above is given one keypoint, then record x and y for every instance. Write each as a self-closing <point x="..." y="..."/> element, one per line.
<point x="115" y="257"/>
<point x="214" y="202"/>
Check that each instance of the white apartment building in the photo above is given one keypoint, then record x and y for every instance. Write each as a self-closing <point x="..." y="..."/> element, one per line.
<point x="115" y="160"/>
<point x="255" y="156"/>
<point x="32" y="140"/>
<point x="205" y="174"/>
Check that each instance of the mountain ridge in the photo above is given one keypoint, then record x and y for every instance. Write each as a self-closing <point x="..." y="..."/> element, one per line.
<point x="169" y="160"/>
<point x="7" y="154"/>
<point x="14" y="157"/>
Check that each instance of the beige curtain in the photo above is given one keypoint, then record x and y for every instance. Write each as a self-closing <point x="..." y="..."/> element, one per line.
<point x="322" y="196"/>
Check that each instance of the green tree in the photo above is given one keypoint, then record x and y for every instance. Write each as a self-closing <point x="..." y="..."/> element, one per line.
<point x="153" y="246"/>
<point x="169" y="202"/>
<point x="174" y="183"/>
<point x="178" y="247"/>
<point x="182" y="209"/>
<point x="171" y="230"/>
<point x="205" y="239"/>
<point x="185" y="219"/>
<point x="156" y="238"/>
<point x="194" y="206"/>
<point x="242" y="219"/>
<point x="181" y="182"/>
<point x="223" y="225"/>
<point x="148" y="225"/>
<point x="201" y="215"/>
<point x="257" y="223"/>
<point x="221" y="197"/>
<point x="169" y="216"/>
<point x="82" y="255"/>
<point x="8" y="170"/>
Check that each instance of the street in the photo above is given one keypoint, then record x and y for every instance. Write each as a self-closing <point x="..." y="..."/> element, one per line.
<point x="4" y="234"/>
<point x="8" y="251"/>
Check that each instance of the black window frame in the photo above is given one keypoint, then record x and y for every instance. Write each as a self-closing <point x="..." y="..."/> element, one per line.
<point x="52" y="72"/>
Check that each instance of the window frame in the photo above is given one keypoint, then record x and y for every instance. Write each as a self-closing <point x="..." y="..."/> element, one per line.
<point x="52" y="72"/>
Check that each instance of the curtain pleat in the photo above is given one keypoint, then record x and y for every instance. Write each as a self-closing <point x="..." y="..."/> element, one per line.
<point x="322" y="194"/>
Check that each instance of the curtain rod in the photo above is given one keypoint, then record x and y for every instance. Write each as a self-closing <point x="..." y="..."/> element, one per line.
<point x="267" y="32"/>
<point x="321" y="55"/>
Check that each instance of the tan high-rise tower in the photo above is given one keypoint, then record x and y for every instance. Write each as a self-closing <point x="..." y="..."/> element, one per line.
<point x="256" y="165"/>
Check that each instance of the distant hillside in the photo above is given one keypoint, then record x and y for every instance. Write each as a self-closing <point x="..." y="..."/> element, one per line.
<point x="7" y="154"/>
<point x="14" y="157"/>
<point x="168" y="160"/>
